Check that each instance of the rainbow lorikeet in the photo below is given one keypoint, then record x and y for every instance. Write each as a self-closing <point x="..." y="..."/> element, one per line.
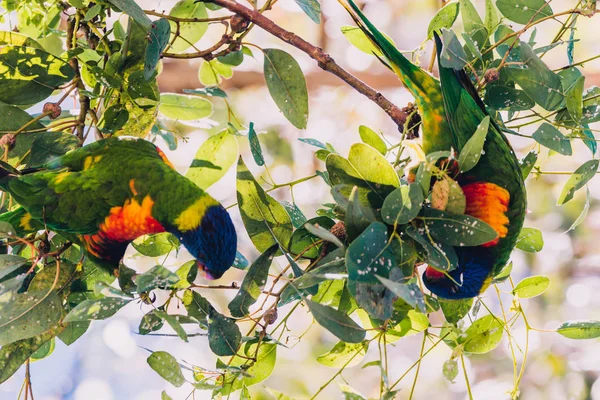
<point x="110" y="192"/>
<point x="494" y="189"/>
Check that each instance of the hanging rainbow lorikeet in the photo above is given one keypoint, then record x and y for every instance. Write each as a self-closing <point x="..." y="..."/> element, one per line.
<point x="451" y="111"/>
<point x="108" y="193"/>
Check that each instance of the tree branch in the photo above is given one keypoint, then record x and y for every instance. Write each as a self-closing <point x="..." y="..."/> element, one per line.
<point x="324" y="60"/>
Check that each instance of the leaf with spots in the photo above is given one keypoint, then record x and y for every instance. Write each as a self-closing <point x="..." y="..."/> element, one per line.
<point x="102" y="308"/>
<point x="341" y="325"/>
<point x="344" y="355"/>
<point x="457" y="229"/>
<point x="531" y="286"/>
<point x="483" y="335"/>
<point x="156" y="245"/>
<point x="157" y="277"/>
<point x="580" y="329"/>
<point x="29" y="314"/>
<point x="402" y="205"/>
<point x="472" y="150"/>
<point x="287" y="86"/>
<point x="524" y="11"/>
<point x="167" y="367"/>
<point x="444" y="18"/>
<point x="577" y="180"/>
<point x="158" y="38"/>
<point x="224" y="335"/>
<point x="530" y="240"/>
<point x="438" y="255"/>
<point x="265" y="219"/>
<point x="253" y="283"/>
<point x="213" y="159"/>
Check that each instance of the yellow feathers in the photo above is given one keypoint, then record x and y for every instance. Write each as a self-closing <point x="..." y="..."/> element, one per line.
<point x="191" y="217"/>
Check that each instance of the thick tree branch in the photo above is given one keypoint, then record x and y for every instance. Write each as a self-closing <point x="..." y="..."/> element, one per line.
<point x="324" y="60"/>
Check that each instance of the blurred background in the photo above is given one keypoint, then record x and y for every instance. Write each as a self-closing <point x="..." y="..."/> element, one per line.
<point x="109" y="362"/>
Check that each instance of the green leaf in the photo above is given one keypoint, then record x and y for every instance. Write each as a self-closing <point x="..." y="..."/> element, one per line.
<point x="530" y="240"/>
<point x="541" y="84"/>
<point x="444" y="18"/>
<point x="96" y="309"/>
<point x="256" y="372"/>
<point x="450" y="370"/>
<point x="455" y="310"/>
<point x="584" y="212"/>
<point x="312" y="8"/>
<point x="491" y="16"/>
<point x="51" y="145"/>
<point x="365" y="168"/>
<point x="265" y="219"/>
<point x="10" y="263"/>
<point x="212" y="72"/>
<point x="580" y="329"/>
<point x="414" y="323"/>
<point x="483" y="335"/>
<point x="577" y="180"/>
<point x="158" y="38"/>
<point x="501" y="97"/>
<point x="73" y="331"/>
<point x="233" y="59"/>
<point x="167" y="367"/>
<point x="183" y="107"/>
<point x="29" y="314"/>
<point x="341" y="325"/>
<point x="402" y="205"/>
<point x="527" y="163"/>
<point x="358" y="39"/>
<point x="531" y="286"/>
<point x="173" y="321"/>
<point x="453" y="55"/>
<point x="301" y="238"/>
<point x="503" y="274"/>
<point x="207" y="91"/>
<point x="30" y="75"/>
<point x="44" y="351"/>
<point x="13" y="355"/>
<point x="298" y="218"/>
<point x="368" y="136"/>
<point x="324" y="234"/>
<point x="471" y="152"/>
<point x="165" y="396"/>
<point x="470" y="17"/>
<point x="156" y="277"/>
<point x="150" y="322"/>
<point x="130" y="8"/>
<point x="344" y="355"/>
<point x="457" y="229"/>
<point x="213" y="159"/>
<point x="18" y="39"/>
<point x="287" y="86"/>
<point x="574" y="99"/>
<point x="547" y="135"/>
<point x="439" y="256"/>
<point x="255" y="148"/>
<point x="155" y="245"/>
<point x="224" y="336"/>
<point x="253" y="283"/>
<point x="189" y="32"/>
<point x="524" y="11"/>
<point x="409" y="292"/>
<point x="357" y="217"/>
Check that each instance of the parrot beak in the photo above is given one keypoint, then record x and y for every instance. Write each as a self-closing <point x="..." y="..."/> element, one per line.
<point x="202" y="269"/>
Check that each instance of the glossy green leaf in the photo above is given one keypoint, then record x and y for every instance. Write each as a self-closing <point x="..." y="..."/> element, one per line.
<point x="439" y="256"/>
<point x="357" y="217"/>
<point x="324" y="234"/>
<point x="265" y="219"/>
<point x="158" y="38"/>
<point x="527" y="163"/>
<point x="342" y="326"/>
<point x="158" y="277"/>
<point x="287" y="86"/>
<point x="167" y="367"/>
<point x="96" y="309"/>
<point x="583" y="215"/>
<point x="213" y="159"/>
<point x="504" y="273"/>
<point x="524" y="11"/>
<point x="471" y="152"/>
<point x="18" y="39"/>
<point x="344" y="354"/>
<point x="29" y="314"/>
<point x="444" y="18"/>
<point x="577" y="180"/>
<point x="29" y="75"/>
<point x="547" y="135"/>
<point x="255" y="148"/>
<point x="402" y="205"/>
<point x="150" y="322"/>
<point x="368" y="136"/>
<point x="580" y="329"/>
<point x="455" y="310"/>
<point x="409" y="292"/>
<point x="531" y="286"/>
<point x="502" y="97"/>
<point x="184" y="107"/>
<point x="253" y="283"/>
<point x="530" y="240"/>
<point x="189" y="32"/>
<point x="453" y="55"/>
<point x="470" y="17"/>
<point x="456" y="229"/>
<point x="207" y="91"/>
<point x="492" y="19"/>
<point x="450" y="370"/>
<point x="130" y="8"/>
<point x="312" y="8"/>
<point x="358" y="39"/>
<point x="483" y="335"/>
<point x="223" y="335"/>
<point x="256" y="372"/>
<point x="155" y="245"/>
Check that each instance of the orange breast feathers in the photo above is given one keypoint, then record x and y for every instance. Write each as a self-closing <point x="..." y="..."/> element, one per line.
<point x="489" y="203"/>
<point x="124" y="224"/>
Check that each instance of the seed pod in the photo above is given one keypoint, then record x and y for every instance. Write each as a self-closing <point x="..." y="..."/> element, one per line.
<point x="8" y="140"/>
<point x="270" y="316"/>
<point x="491" y="75"/>
<point x="54" y="110"/>
<point x="238" y="23"/>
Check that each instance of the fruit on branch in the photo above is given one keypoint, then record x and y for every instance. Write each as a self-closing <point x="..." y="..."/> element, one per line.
<point x="53" y="110"/>
<point x="491" y="75"/>
<point x="494" y="190"/>
<point x="239" y="24"/>
<point x="108" y="193"/>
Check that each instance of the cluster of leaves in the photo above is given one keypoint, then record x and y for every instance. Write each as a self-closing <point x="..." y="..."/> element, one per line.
<point x="352" y="265"/>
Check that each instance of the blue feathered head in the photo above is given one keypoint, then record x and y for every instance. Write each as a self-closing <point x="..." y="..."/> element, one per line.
<point x="213" y="243"/>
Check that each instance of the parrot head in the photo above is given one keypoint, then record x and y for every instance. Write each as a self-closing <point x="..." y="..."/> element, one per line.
<point x="471" y="278"/>
<point x="213" y="243"/>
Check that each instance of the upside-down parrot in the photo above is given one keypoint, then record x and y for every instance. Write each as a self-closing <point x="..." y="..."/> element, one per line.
<point x="451" y="111"/>
<point x="108" y="193"/>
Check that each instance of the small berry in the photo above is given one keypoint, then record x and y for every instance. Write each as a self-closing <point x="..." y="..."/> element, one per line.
<point x="52" y="108"/>
<point x="270" y="316"/>
<point x="491" y="75"/>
